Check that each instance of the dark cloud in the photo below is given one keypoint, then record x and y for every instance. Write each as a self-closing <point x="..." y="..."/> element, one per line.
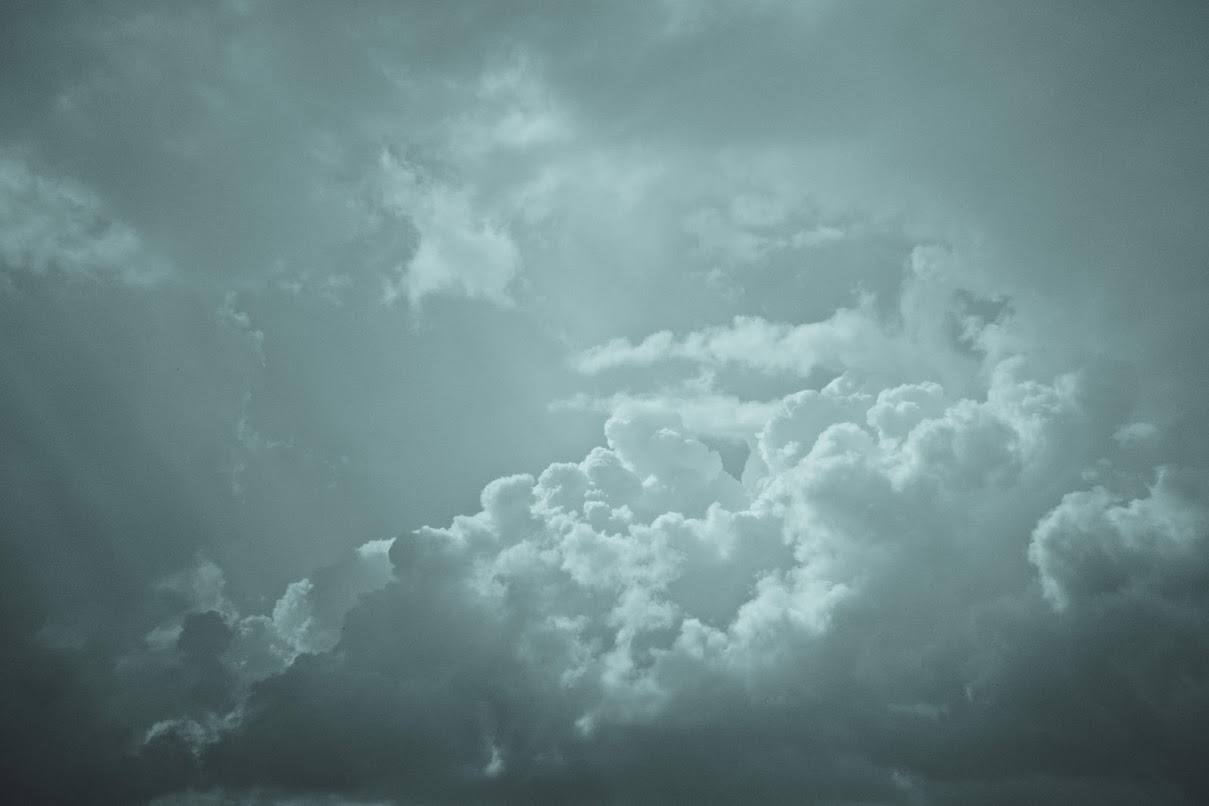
<point x="891" y="320"/>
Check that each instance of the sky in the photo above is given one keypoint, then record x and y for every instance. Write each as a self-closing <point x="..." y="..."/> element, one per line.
<point x="608" y="402"/>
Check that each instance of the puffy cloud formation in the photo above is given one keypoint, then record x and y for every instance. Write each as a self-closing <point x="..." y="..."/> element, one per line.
<point x="854" y="358"/>
<point x="1097" y="544"/>
<point x="909" y="597"/>
<point x="307" y="618"/>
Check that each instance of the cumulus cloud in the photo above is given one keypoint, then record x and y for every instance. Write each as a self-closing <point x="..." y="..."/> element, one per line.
<point x="933" y="277"/>
<point x="864" y="593"/>
<point x="1096" y="544"/>
<point x="307" y="618"/>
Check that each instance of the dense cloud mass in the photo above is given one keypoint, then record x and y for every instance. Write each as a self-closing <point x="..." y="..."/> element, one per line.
<point x="611" y="403"/>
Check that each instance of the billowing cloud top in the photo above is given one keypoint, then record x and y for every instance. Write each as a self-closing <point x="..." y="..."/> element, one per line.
<point x="678" y="402"/>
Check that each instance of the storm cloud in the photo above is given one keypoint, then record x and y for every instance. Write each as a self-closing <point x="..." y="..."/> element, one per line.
<point x="616" y="402"/>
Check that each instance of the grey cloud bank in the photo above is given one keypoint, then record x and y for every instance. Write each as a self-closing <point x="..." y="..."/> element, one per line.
<point x="604" y="403"/>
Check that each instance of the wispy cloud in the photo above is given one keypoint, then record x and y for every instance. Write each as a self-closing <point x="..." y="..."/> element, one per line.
<point x="56" y="225"/>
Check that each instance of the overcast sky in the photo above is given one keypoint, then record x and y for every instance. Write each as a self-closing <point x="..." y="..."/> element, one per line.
<point x="611" y="402"/>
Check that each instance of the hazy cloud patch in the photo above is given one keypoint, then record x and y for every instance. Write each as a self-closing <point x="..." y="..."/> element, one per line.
<point x="55" y="225"/>
<point x="459" y="249"/>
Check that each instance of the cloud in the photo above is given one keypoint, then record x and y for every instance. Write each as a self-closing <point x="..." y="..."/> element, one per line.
<point x="459" y="250"/>
<point x="207" y="654"/>
<point x="923" y="340"/>
<point x="55" y="225"/>
<point x="752" y="228"/>
<point x="771" y="347"/>
<point x="939" y="270"/>
<point x="640" y="626"/>
<point x="706" y="414"/>
<point x="1095" y="545"/>
<point x="240" y="322"/>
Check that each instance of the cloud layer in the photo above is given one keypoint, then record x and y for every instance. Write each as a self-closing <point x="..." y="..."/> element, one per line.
<point x="820" y="390"/>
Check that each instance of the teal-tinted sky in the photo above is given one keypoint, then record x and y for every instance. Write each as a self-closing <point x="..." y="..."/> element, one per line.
<point x="604" y="402"/>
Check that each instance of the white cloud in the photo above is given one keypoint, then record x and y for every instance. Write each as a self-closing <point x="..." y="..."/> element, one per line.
<point x="55" y="225"/>
<point x="854" y="569"/>
<point x="306" y="618"/>
<point x="460" y="249"/>
<point x="756" y="343"/>
<point x="681" y="573"/>
<point x="881" y="524"/>
<point x="917" y="344"/>
<point x="707" y="414"/>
